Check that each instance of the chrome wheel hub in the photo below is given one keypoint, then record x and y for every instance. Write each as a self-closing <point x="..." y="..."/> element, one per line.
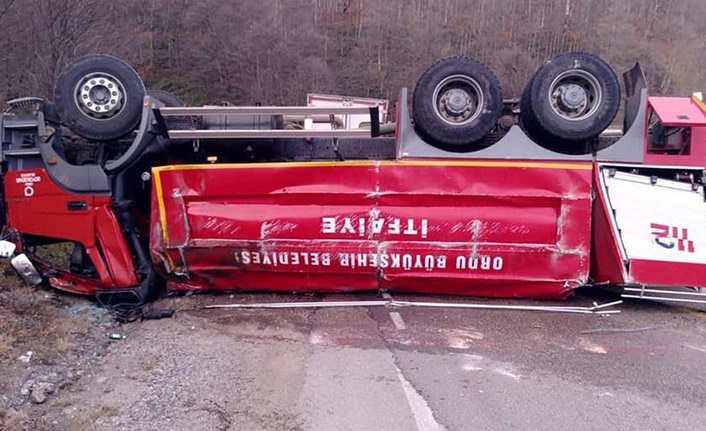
<point x="575" y="95"/>
<point x="100" y="95"/>
<point x="458" y="100"/>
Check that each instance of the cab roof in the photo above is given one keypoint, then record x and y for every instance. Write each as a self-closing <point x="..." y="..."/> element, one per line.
<point x="679" y="111"/>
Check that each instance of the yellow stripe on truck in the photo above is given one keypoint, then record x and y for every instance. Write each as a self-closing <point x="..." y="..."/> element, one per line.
<point x="582" y="166"/>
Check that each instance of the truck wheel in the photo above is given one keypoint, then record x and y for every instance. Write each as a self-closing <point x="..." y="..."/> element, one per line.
<point x="456" y="103"/>
<point x="100" y="97"/>
<point x="569" y="101"/>
<point x="169" y="100"/>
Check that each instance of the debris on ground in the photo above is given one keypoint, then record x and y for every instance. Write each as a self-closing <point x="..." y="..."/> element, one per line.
<point x="25" y="358"/>
<point x="47" y="344"/>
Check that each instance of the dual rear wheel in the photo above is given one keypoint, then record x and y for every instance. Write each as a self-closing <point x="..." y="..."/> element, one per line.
<point x="569" y="101"/>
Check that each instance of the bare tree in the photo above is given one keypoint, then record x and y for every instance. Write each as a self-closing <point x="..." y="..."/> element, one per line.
<point x="275" y="51"/>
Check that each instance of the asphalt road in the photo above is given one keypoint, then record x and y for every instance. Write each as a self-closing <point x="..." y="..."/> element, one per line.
<point x="421" y="369"/>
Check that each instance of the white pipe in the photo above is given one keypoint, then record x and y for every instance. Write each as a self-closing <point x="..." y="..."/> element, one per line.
<point x="661" y="298"/>
<point x="578" y="310"/>
<point x="305" y="304"/>
<point x="596" y="309"/>
<point x="669" y="292"/>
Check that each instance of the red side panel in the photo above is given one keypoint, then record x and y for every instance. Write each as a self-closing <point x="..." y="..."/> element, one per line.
<point x="37" y="206"/>
<point x="118" y="255"/>
<point x="665" y="273"/>
<point x="607" y="265"/>
<point x="512" y="229"/>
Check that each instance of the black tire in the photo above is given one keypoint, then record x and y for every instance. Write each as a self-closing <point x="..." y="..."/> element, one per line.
<point x="50" y="113"/>
<point x="569" y="102"/>
<point x="120" y="105"/>
<point x="169" y="100"/>
<point x="463" y="127"/>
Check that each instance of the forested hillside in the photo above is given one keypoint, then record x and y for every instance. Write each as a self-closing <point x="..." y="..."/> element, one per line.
<point x="275" y="51"/>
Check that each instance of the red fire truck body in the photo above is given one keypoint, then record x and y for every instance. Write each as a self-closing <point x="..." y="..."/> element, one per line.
<point x="513" y="219"/>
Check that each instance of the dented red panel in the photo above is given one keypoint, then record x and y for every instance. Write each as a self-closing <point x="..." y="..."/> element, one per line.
<point x="36" y="205"/>
<point x="511" y="229"/>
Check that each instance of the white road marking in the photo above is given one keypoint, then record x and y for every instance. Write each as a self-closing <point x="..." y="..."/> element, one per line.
<point x="421" y="411"/>
<point x="397" y="320"/>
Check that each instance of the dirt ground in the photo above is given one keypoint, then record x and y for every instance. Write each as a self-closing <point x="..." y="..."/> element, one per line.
<point x="48" y="341"/>
<point x="367" y="368"/>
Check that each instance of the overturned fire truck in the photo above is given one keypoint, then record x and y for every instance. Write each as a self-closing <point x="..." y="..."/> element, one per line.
<point x="469" y="195"/>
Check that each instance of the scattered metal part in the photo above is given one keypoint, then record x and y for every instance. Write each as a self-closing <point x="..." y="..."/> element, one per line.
<point x="25" y="268"/>
<point x="157" y="314"/>
<point x="331" y="304"/>
<point x="658" y="295"/>
<point x="7" y="249"/>
<point x="595" y="309"/>
<point x="664" y="298"/>
<point x="26" y="358"/>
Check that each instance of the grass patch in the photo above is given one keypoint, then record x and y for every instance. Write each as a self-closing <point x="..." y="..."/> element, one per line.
<point x="13" y="421"/>
<point x="29" y="321"/>
<point x="149" y="366"/>
<point x="104" y="412"/>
